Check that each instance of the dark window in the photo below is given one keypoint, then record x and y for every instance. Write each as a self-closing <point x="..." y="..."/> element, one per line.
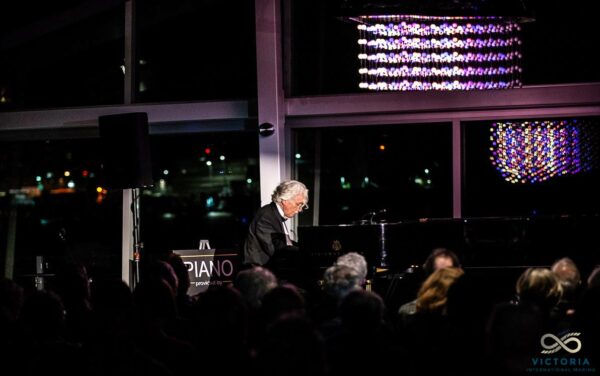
<point x="206" y="187"/>
<point x="61" y="55"/>
<point x="195" y="50"/>
<point x="52" y="205"/>
<point x="405" y="170"/>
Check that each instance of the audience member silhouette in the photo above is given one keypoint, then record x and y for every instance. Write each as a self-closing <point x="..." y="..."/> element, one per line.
<point x="155" y="269"/>
<point x="363" y="335"/>
<point x="11" y="332"/>
<point x="156" y="309"/>
<point x="293" y="347"/>
<point x="48" y="351"/>
<point x="468" y="307"/>
<point x="570" y="281"/>
<point x="439" y="258"/>
<point x="285" y="299"/>
<point x="253" y="284"/>
<point x="221" y="331"/>
<point x="338" y="281"/>
<point x="112" y="350"/>
<point x="586" y="318"/>
<point x="424" y="334"/>
<point x="514" y="331"/>
<point x="594" y="278"/>
<point x="182" y="298"/>
<point x="72" y="284"/>
<point x="357" y="262"/>
<point x="541" y="287"/>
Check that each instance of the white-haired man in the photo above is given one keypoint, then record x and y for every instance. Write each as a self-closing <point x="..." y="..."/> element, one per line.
<point x="268" y="241"/>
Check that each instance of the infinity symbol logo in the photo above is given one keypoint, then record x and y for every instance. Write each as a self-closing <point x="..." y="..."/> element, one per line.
<point x="560" y="343"/>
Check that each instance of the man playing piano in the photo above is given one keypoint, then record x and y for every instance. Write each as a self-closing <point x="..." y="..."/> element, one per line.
<point x="269" y="241"/>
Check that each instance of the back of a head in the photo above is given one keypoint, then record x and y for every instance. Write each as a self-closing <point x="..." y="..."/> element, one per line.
<point x="159" y="269"/>
<point x="354" y="260"/>
<point x="539" y="286"/>
<point x="566" y="271"/>
<point x="155" y="299"/>
<point x="433" y="294"/>
<point x="362" y="310"/>
<point x="254" y="283"/>
<point x="291" y="346"/>
<point x="111" y="296"/>
<point x="594" y="278"/>
<point x="113" y="305"/>
<point x="72" y="283"/>
<point x="569" y="277"/>
<point x="181" y="271"/>
<point x="44" y="314"/>
<point x="222" y="312"/>
<point x="341" y="280"/>
<point x="289" y="189"/>
<point x="514" y="329"/>
<point x="282" y="300"/>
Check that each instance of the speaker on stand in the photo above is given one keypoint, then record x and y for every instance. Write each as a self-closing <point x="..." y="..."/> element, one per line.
<point x="125" y="145"/>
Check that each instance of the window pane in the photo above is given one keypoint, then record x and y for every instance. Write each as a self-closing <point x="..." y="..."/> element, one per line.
<point x="207" y="187"/>
<point x="60" y="56"/>
<point x="404" y="169"/>
<point x="542" y="167"/>
<point x="195" y="50"/>
<point x="50" y="206"/>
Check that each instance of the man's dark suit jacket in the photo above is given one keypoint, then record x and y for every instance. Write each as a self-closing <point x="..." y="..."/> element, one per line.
<point x="265" y="237"/>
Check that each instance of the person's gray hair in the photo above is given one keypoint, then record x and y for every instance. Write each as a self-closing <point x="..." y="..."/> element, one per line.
<point x="286" y="190"/>
<point x="340" y="280"/>
<point x="354" y="260"/>
<point x="254" y="283"/>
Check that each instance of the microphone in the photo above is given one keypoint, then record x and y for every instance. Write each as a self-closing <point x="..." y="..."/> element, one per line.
<point x="371" y="215"/>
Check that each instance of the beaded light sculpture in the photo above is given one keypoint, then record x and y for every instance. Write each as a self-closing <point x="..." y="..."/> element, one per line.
<point x="535" y="151"/>
<point x="409" y="52"/>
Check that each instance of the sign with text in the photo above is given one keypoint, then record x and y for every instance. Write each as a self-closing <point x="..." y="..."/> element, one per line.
<point x="209" y="267"/>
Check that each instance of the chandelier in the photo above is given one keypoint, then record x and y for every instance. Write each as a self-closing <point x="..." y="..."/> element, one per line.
<point x="411" y="52"/>
<point x="536" y="151"/>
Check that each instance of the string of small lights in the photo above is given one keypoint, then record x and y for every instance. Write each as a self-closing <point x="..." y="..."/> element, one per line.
<point x="409" y="52"/>
<point x="535" y="151"/>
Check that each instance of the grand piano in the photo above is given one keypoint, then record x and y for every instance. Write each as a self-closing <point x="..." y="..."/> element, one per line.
<point x="498" y="242"/>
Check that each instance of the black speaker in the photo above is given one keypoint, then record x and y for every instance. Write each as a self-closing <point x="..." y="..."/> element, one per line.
<point x="125" y="146"/>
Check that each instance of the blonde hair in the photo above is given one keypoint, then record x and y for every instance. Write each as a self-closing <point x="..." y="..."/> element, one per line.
<point x="433" y="294"/>
<point x="539" y="286"/>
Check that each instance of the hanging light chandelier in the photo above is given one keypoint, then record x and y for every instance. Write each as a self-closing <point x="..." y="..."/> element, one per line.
<point x="536" y="151"/>
<point x="412" y="52"/>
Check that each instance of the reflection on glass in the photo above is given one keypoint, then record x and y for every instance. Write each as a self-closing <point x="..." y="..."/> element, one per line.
<point x="52" y="205"/>
<point x="207" y="188"/>
<point x="531" y="167"/>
